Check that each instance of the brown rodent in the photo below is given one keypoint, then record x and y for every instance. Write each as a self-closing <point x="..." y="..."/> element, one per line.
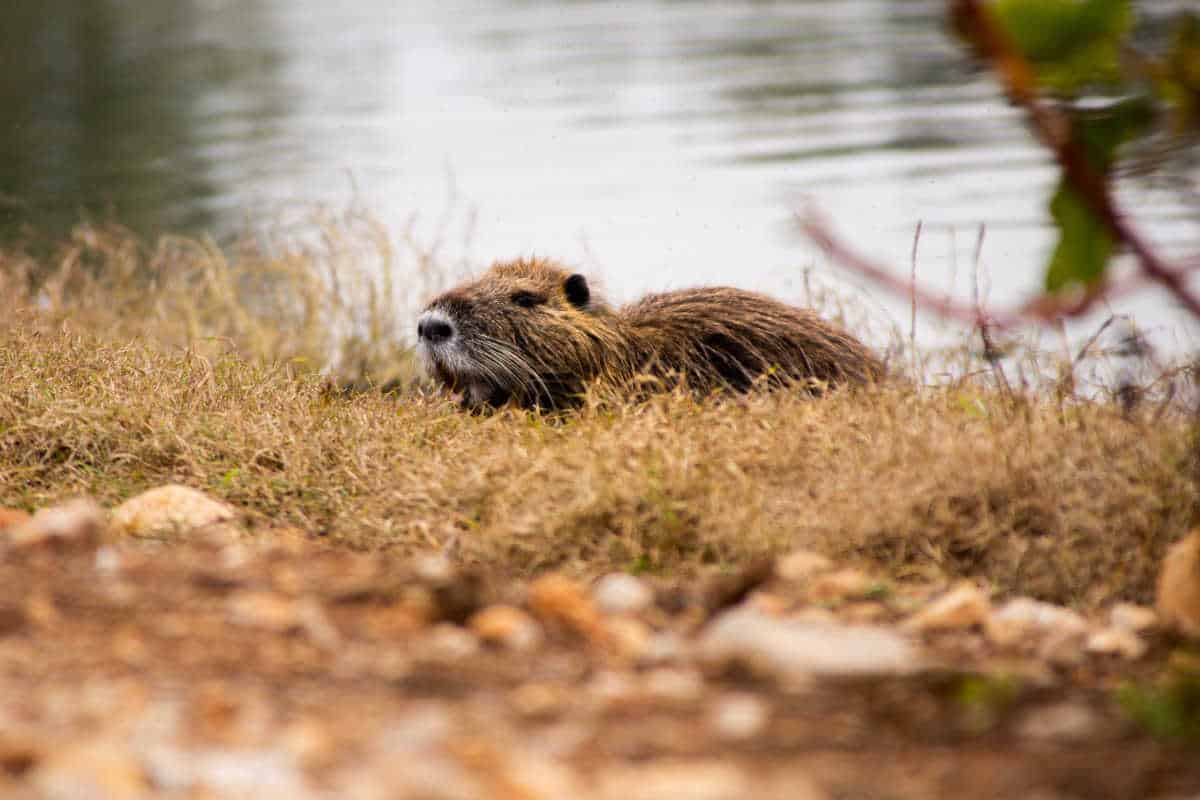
<point x="534" y="333"/>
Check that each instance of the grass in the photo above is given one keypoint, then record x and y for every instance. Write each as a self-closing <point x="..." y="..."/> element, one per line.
<point x="125" y="367"/>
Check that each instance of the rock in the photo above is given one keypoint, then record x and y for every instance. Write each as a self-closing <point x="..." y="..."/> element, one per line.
<point x="964" y="606"/>
<point x="801" y="565"/>
<point x="628" y="637"/>
<point x="609" y="687"/>
<point x="738" y="716"/>
<point x="1063" y="646"/>
<point x="1066" y="722"/>
<point x="560" y="600"/>
<point x="225" y="772"/>
<point x="310" y="742"/>
<point x="1025" y="619"/>
<point x="1179" y="586"/>
<point x="677" y="780"/>
<point x="1117" y="642"/>
<point x="278" y="613"/>
<point x="790" y="649"/>
<point x="11" y="518"/>
<point x="663" y="647"/>
<point x="93" y="770"/>
<point x="264" y="610"/>
<point x="77" y="521"/>
<point x="674" y="685"/>
<point x="770" y="604"/>
<point x="538" y="700"/>
<point x="1131" y="617"/>
<point x="845" y="584"/>
<point x="622" y="593"/>
<point x="173" y="512"/>
<point x="508" y="627"/>
<point x="451" y="643"/>
<point x="434" y="568"/>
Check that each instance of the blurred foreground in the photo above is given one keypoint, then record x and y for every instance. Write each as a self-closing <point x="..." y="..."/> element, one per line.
<point x="402" y="600"/>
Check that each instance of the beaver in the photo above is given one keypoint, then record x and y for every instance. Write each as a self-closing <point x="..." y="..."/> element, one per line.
<point x="534" y="333"/>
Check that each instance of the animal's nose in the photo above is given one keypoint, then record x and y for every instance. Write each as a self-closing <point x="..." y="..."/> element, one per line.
<point x="434" y="330"/>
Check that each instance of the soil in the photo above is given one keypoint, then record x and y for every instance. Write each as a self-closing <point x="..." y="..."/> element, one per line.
<point x="218" y="669"/>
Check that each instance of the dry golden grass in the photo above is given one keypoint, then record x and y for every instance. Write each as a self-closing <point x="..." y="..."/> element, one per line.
<point x="336" y="298"/>
<point x="115" y="382"/>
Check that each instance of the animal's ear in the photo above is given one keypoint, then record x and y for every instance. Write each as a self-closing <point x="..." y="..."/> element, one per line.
<point x="578" y="293"/>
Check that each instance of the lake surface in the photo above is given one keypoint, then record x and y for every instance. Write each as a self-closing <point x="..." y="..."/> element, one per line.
<point x="657" y="144"/>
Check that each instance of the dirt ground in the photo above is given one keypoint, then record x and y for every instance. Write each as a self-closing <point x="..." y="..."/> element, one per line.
<point x="227" y="669"/>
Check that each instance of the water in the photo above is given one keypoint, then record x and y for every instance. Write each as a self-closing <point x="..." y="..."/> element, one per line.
<point x="654" y="143"/>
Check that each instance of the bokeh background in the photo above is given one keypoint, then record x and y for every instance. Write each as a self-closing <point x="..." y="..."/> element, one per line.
<point x="656" y="143"/>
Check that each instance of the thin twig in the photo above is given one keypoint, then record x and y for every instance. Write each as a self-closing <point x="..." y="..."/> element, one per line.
<point x="1092" y="339"/>
<point x="991" y="353"/>
<point x="912" y="282"/>
<point x="944" y="305"/>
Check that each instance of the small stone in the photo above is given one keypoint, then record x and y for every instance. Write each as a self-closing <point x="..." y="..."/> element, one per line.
<point x="108" y="560"/>
<point x="608" y="687"/>
<point x="560" y="600"/>
<point x="436" y="568"/>
<point x="801" y="565"/>
<point x="508" y="627"/>
<point x="663" y="647"/>
<point x="1132" y="617"/>
<point x="964" y="606"/>
<point x="266" y="610"/>
<point x="1068" y="722"/>
<point x="1117" y="642"/>
<point x="842" y="585"/>
<point x="1063" y="646"/>
<point x="1025" y="619"/>
<point x="1179" y="586"/>
<point x="539" y="700"/>
<point x="78" y="521"/>
<point x="11" y="518"/>
<point x="99" y="769"/>
<point x="448" y="642"/>
<point x="310" y="741"/>
<point x="674" y="685"/>
<point x="628" y="637"/>
<point x="677" y="780"/>
<point x="794" y="650"/>
<point x="622" y="593"/>
<point x="770" y="604"/>
<point x="173" y="512"/>
<point x="738" y="716"/>
<point x="537" y="778"/>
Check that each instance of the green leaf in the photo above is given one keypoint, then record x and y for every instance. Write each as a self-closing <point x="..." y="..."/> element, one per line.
<point x="1102" y="131"/>
<point x="1084" y="243"/>
<point x="1180" y="81"/>
<point x="1070" y="43"/>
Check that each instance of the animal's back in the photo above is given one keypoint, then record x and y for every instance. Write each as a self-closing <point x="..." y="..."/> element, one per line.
<point x="724" y="336"/>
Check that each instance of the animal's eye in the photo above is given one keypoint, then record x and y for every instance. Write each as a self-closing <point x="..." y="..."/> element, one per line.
<point x="527" y="299"/>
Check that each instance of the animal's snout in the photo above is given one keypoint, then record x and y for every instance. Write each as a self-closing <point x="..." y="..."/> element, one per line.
<point x="434" y="329"/>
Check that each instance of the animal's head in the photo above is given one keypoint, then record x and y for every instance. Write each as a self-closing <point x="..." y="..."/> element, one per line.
<point x="528" y="331"/>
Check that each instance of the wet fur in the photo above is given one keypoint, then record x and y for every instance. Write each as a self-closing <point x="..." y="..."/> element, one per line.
<point x="532" y="332"/>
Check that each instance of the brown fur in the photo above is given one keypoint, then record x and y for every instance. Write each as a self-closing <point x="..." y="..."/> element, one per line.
<point x="532" y="332"/>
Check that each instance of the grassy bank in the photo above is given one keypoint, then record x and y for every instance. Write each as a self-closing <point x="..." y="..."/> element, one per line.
<point x="126" y="367"/>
